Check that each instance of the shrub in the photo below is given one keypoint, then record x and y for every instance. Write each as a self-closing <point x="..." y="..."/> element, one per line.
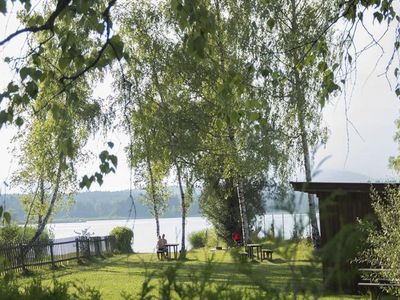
<point x="13" y="234"/>
<point x="9" y="289"/>
<point x="198" y="239"/>
<point x="123" y="239"/>
<point x="382" y="248"/>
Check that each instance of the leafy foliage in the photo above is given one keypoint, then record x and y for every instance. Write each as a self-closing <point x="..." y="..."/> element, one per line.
<point x="35" y="289"/>
<point x="5" y="216"/>
<point x="123" y="239"/>
<point x="14" y="234"/>
<point x="198" y="239"/>
<point x="383" y="243"/>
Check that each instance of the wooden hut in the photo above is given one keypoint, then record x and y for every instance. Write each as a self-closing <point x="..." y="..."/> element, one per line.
<point x="340" y="205"/>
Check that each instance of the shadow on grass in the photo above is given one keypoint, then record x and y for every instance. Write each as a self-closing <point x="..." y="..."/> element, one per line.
<point x="276" y="274"/>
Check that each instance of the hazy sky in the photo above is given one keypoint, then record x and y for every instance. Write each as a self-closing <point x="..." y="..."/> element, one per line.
<point x="372" y="109"/>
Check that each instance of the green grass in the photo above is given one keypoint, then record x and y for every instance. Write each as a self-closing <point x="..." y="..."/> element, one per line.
<point x="291" y="268"/>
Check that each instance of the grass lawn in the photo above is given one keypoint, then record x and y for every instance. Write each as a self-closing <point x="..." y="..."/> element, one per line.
<point x="291" y="267"/>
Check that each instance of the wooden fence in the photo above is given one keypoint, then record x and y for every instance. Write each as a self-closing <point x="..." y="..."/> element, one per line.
<point x="20" y="257"/>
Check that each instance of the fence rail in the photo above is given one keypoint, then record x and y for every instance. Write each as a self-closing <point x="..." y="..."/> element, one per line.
<point x="21" y="257"/>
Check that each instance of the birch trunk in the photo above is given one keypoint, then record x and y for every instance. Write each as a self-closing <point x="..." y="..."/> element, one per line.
<point x="300" y="107"/>
<point x="153" y="194"/>
<point x="183" y="207"/>
<point x="49" y="212"/>
<point x="243" y="213"/>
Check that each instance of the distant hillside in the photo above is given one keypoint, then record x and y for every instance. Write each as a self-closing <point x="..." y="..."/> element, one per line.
<point x="103" y="205"/>
<point x="117" y="205"/>
<point x="332" y="175"/>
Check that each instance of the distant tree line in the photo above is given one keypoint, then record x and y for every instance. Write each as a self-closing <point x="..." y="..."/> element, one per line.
<point x="116" y="205"/>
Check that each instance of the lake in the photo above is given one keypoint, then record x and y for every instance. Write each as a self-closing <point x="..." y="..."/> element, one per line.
<point x="145" y="229"/>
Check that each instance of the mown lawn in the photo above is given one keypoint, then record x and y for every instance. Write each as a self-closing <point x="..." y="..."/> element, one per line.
<point x="290" y="269"/>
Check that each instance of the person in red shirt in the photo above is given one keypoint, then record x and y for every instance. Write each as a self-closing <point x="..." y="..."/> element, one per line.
<point x="236" y="237"/>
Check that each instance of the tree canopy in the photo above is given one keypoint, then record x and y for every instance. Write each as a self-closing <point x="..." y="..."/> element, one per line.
<point x="226" y="95"/>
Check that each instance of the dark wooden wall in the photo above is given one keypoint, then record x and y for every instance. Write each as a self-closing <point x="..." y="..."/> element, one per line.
<point x="340" y="208"/>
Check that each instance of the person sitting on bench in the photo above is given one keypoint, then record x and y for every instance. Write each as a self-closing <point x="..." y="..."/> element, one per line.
<point x="160" y="248"/>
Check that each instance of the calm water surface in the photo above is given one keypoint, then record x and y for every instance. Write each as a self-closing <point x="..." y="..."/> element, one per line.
<point x="145" y="229"/>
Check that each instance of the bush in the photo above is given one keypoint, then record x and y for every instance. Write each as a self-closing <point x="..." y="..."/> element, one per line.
<point x="198" y="239"/>
<point x="382" y="249"/>
<point x="123" y="239"/>
<point x="9" y="289"/>
<point x="13" y="234"/>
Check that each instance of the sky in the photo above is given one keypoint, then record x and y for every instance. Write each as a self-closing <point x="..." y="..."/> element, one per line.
<point x="372" y="109"/>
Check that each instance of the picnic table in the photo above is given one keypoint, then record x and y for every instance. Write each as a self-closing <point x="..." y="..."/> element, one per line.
<point x="250" y="250"/>
<point x="174" y="248"/>
<point x="375" y="285"/>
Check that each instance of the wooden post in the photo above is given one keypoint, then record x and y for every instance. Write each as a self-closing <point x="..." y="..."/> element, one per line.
<point x="96" y="246"/>
<point x="77" y="248"/>
<point x="22" y="257"/>
<point x="88" y="247"/>
<point x="53" y="265"/>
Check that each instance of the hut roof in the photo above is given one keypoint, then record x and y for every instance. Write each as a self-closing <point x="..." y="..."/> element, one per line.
<point x="352" y="187"/>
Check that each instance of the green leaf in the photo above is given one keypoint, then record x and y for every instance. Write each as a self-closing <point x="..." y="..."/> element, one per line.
<point x="378" y="16"/>
<point x="27" y="5"/>
<point x="3" y="6"/>
<point x="19" y="122"/>
<point x="265" y="72"/>
<point x="397" y="92"/>
<point x="199" y="44"/>
<point x="86" y="182"/>
<point x="12" y="88"/>
<point x="36" y="75"/>
<point x="349" y="58"/>
<point x="271" y="23"/>
<point x="220" y="124"/>
<point x="32" y="89"/>
<point x="99" y="178"/>
<point x="103" y="155"/>
<point x="7" y="217"/>
<point x="322" y="66"/>
<point x="25" y="72"/>
<point x="63" y="62"/>
<point x="117" y="46"/>
<point x="114" y="160"/>
<point x="105" y="168"/>
<point x="3" y="117"/>
<point x="100" y="28"/>
<point x="82" y="6"/>
<point x="254" y="116"/>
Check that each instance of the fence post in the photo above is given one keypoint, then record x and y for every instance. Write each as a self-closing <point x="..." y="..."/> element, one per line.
<point x="88" y="246"/>
<point x="96" y="246"/>
<point x="77" y="248"/>
<point x="22" y="257"/>
<point x="53" y="265"/>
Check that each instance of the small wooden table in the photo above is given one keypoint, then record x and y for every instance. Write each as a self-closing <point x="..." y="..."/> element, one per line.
<point x="174" y="248"/>
<point x="250" y="250"/>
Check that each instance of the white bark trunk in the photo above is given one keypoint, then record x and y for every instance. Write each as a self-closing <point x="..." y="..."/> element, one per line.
<point x="243" y="214"/>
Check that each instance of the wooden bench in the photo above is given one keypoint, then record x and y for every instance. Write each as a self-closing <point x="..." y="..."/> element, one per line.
<point x="243" y="256"/>
<point x="266" y="254"/>
<point x="374" y="286"/>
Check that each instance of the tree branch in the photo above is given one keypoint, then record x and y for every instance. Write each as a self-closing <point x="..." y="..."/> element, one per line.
<point x="49" y="25"/>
